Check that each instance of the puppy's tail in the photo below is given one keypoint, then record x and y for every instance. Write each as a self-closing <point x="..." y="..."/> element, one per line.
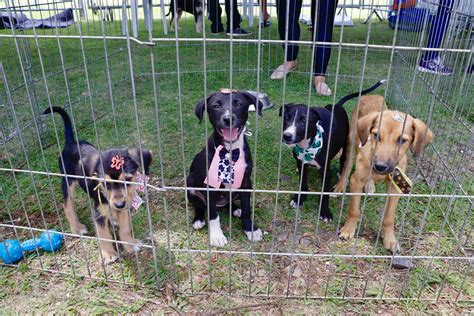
<point x="356" y="94"/>
<point x="68" y="132"/>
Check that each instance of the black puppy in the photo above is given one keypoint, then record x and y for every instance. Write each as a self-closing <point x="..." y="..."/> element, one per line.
<point x="193" y="7"/>
<point x="311" y="148"/>
<point x="106" y="12"/>
<point x="229" y="164"/>
<point x="112" y="200"/>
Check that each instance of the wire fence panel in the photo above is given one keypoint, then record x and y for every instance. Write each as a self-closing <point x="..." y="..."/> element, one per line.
<point x="128" y="81"/>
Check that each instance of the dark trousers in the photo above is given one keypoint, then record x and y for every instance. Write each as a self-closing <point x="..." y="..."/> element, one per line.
<point x="438" y="28"/>
<point x="215" y="12"/>
<point x="322" y="15"/>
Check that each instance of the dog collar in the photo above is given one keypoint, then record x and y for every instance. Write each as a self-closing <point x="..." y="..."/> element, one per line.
<point x="400" y="181"/>
<point x="308" y="154"/>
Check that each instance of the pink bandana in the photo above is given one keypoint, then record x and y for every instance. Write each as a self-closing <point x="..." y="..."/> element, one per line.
<point x="226" y="167"/>
<point x="137" y="200"/>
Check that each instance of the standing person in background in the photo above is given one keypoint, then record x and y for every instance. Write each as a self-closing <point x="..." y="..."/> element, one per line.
<point x="233" y="15"/>
<point x="430" y="61"/>
<point x="266" y="15"/>
<point x="322" y="15"/>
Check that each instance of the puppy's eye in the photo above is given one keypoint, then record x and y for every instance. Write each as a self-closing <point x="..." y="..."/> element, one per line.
<point x="129" y="179"/>
<point x="401" y="141"/>
<point x="376" y="136"/>
<point x="216" y="105"/>
<point x="303" y="119"/>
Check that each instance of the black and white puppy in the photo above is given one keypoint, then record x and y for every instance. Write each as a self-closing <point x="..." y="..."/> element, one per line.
<point x="193" y="7"/>
<point x="313" y="137"/>
<point x="228" y="164"/>
<point x="106" y="12"/>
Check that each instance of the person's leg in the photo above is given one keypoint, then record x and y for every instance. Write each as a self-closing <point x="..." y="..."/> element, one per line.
<point x="293" y="15"/>
<point x="232" y="11"/>
<point x="266" y="15"/>
<point x="234" y="19"/>
<point x="438" y="28"/>
<point x="323" y="26"/>
<point x="430" y="61"/>
<point x="215" y="12"/>
<point x="288" y="10"/>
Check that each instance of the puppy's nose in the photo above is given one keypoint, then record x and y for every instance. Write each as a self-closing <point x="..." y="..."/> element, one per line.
<point x="287" y="137"/>
<point x="226" y="119"/>
<point x="120" y="204"/>
<point x="381" y="167"/>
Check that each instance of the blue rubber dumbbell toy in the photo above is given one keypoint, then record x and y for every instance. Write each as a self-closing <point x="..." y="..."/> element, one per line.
<point x="11" y="251"/>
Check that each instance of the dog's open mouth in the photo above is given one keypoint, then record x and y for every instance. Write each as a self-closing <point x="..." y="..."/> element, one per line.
<point x="229" y="133"/>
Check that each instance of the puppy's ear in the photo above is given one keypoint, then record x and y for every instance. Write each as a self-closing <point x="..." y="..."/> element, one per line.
<point x="199" y="111"/>
<point x="201" y="106"/>
<point x="364" y="125"/>
<point x="137" y="156"/>
<point x="422" y="137"/>
<point x="253" y="100"/>
<point x="284" y="108"/>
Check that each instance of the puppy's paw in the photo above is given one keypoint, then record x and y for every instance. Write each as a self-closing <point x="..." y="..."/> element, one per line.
<point x="237" y="212"/>
<point x="81" y="229"/>
<point x="109" y="257"/>
<point x="294" y="203"/>
<point x="216" y="235"/>
<point x="390" y="242"/>
<point x="137" y="247"/>
<point x="327" y="217"/>
<point x="217" y="239"/>
<point x="198" y="224"/>
<point x="133" y="245"/>
<point x="348" y="230"/>
<point x="340" y="186"/>
<point x="256" y="235"/>
<point x="369" y="186"/>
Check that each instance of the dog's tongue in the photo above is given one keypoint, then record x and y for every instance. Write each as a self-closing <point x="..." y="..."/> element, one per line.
<point x="226" y="133"/>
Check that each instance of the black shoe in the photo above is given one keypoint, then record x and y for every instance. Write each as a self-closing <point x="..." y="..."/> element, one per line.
<point x="434" y="66"/>
<point x="470" y="69"/>
<point x="238" y="32"/>
<point x="217" y="32"/>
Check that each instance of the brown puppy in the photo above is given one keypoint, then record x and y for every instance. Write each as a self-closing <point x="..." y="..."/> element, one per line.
<point x="112" y="197"/>
<point x="384" y="139"/>
<point x="367" y="104"/>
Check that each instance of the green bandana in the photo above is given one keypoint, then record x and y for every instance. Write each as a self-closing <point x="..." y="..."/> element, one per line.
<point x="306" y="155"/>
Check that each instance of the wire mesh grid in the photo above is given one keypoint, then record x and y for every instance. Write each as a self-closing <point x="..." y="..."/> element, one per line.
<point x="130" y="83"/>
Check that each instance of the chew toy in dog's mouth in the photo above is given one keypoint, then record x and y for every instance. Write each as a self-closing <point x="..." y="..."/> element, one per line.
<point x="226" y="133"/>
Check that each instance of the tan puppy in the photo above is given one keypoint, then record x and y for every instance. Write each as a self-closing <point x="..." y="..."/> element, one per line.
<point x="384" y="139"/>
<point x="367" y="104"/>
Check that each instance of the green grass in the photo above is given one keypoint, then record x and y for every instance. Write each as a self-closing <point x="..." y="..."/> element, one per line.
<point x="35" y="196"/>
